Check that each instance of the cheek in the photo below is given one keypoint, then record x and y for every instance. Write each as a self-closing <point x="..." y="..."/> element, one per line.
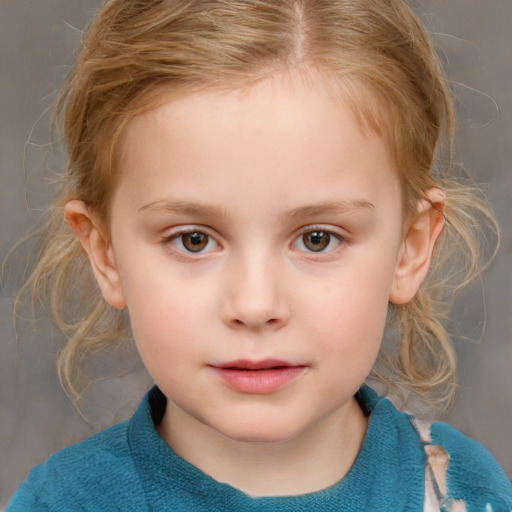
<point x="167" y="341"/>
<point x="166" y="315"/>
<point x="349" y="313"/>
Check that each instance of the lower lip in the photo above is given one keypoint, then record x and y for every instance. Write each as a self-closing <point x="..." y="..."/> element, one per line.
<point x="260" y="382"/>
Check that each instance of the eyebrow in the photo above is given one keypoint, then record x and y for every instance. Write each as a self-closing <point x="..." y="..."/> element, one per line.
<point x="184" y="208"/>
<point x="330" y="207"/>
<point x="206" y="210"/>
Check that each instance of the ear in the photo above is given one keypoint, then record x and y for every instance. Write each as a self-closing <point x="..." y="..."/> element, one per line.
<point x="417" y="246"/>
<point x="86" y="227"/>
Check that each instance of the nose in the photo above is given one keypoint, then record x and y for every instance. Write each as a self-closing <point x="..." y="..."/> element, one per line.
<point x="255" y="296"/>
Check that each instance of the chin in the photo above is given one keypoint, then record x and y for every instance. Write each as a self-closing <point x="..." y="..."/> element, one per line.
<point x="259" y="434"/>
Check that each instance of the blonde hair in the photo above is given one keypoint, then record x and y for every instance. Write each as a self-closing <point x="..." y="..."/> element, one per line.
<point x="374" y="53"/>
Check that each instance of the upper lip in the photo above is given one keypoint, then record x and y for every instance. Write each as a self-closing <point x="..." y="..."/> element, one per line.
<point x="247" y="364"/>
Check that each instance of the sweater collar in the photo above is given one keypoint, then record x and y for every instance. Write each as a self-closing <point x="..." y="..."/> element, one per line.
<point x="388" y="473"/>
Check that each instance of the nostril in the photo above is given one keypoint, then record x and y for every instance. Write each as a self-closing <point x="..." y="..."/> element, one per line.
<point x="256" y="325"/>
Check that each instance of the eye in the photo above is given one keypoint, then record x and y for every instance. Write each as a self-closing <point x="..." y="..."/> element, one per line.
<point x="317" y="240"/>
<point x="192" y="242"/>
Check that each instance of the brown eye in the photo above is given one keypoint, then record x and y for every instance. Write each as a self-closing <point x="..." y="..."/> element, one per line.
<point x="195" y="241"/>
<point x="316" y="241"/>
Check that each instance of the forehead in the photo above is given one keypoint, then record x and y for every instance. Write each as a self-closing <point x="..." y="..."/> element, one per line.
<point x="292" y="92"/>
<point x="370" y="111"/>
<point x="273" y="136"/>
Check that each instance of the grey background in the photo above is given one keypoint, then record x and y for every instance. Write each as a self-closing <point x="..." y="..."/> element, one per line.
<point x="37" y="41"/>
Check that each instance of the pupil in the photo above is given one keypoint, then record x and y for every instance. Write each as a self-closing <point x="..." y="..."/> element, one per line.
<point x="317" y="240"/>
<point x="195" y="242"/>
<point x="196" y="238"/>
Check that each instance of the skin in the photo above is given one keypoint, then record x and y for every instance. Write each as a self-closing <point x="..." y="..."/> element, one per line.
<point x="257" y="171"/>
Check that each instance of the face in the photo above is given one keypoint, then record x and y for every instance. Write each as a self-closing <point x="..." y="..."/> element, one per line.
<point x="256" y="236"/>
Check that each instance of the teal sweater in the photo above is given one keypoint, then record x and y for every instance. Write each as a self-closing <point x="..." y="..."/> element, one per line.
<point x="129" y="468"/>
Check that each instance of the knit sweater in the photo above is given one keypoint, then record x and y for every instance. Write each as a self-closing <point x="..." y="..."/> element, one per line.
<point x="130" y="468"/>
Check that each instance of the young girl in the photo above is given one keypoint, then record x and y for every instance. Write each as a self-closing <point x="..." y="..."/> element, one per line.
<point x="259" y="185"/>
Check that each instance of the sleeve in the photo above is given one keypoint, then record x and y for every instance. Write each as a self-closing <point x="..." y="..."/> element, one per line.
<point x="29" y="496"/>
<point x="473" y="475"/>
<point x="24" y="499"/>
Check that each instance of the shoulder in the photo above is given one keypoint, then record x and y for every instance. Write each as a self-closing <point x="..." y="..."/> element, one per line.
<point x="80" y="477"/>
<point x="473" y="475"/>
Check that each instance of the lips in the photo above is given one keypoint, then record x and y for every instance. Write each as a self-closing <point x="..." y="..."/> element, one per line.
<point x="245" y="364"/>
<point x="258" y="377"/>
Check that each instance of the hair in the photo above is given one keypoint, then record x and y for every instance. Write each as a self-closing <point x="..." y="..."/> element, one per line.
<point x="375" y="54"/>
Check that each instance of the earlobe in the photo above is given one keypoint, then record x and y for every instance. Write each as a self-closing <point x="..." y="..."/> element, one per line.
<point x="86" y="227"/>
<point x="417" y="247"/>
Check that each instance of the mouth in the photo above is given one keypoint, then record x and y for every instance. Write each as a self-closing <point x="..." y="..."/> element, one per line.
<point x="258" y="377"/>
<point x="247" y="365"/>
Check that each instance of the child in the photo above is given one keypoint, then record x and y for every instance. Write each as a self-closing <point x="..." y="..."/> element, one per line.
<point x="256" y="183"/>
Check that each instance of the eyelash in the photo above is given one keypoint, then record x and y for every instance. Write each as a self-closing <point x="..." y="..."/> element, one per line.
<point x="177" y="237"/>
<point x="320" y="229"/>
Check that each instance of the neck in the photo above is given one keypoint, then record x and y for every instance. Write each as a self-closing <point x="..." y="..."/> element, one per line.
<point x="311" y="461"/>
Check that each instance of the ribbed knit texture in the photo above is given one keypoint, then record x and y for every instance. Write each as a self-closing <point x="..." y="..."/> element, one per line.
<point x="129" y="468"/>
